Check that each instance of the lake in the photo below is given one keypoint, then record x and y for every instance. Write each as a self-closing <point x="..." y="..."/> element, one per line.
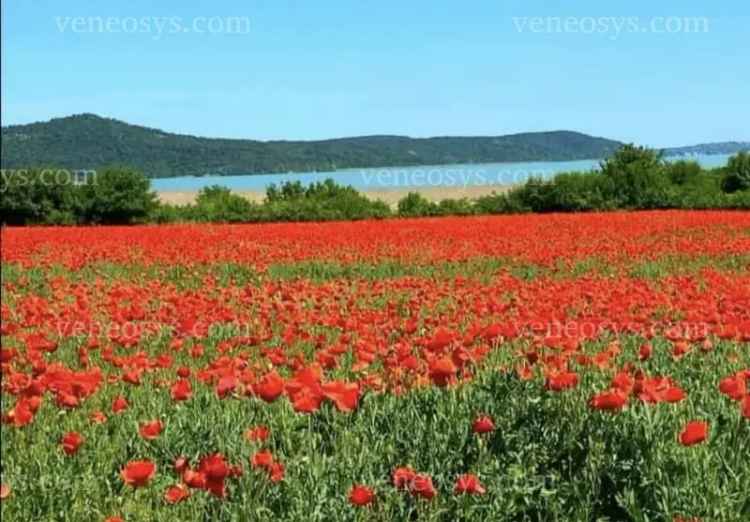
<point x="384" y="178"/>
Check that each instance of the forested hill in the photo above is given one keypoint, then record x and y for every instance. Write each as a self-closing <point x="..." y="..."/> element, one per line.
<point x="88" y="141"/>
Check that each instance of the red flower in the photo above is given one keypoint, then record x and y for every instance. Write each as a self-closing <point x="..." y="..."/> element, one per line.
<point x="216" y="470"/>
<point x="176" y="493"/>
<point x="402" y="477"/>
<point x="71" y="442"/>
<point x="734" y="387"/>
<point x="138" y="473"/>
<point x="609" y="401"/>
<point x="182" y="390"/>
<point x="674" y="394"/>
<point x="180" y="464"/>
<point x="98" y="417"/>
<point x="422" y="486"/>
<point x="226" y="386"/>
<point x="361" y="495"/>
<point x="4" y="491"/>
<point x="257" y="434"/>
<point x="694" y="432"/>
<point x="276" y="472"/>
<point x="270" y="387"/>
<point x="468" y="484"/>
<point x="262" y="459"/>
<point x="151" y="430"/>
<point x="645" y="352"/>
<point x="746" y="407"/>
<point x="344" y="395"/>
<point x="307" y="401"/>
<point x="483" y="424"/>
<point x="119" y="404"/>
<point x="194" y="479"/>
<point x="562" y="381"/>
<point x="442" y="371"/>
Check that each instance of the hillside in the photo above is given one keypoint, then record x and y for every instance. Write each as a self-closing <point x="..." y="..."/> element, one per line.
<point x="724" y="147"/>
<point x="88" y="141"/>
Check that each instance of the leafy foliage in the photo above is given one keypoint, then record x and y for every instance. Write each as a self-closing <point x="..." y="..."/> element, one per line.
<point x="737" y="173"/>
<point x="633" y="178"/>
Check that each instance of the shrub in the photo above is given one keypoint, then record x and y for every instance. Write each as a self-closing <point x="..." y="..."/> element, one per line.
<point x="35" y="196"/>
<point x="116" y="195"/>
<point x="639" y="178"/>
<point x="415" y="204"/>
<point x="737" y="176"/>
<point x="219" y="204"/>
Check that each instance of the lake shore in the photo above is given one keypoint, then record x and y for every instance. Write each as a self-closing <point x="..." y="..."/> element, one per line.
<point x="390" y="196"/>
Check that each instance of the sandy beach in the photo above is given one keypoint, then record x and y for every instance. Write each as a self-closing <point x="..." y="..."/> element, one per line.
<point x="390" y="196"/>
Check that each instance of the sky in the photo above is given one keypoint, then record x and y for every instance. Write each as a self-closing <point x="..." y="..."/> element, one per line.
<point x="664" y="73"/>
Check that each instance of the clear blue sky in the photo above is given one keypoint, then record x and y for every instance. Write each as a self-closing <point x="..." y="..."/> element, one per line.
<point x="319" y="69"/>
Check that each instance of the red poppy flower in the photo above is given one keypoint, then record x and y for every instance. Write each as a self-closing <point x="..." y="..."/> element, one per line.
<point x="276" y="472"/>
<point x="114" y="519"/>
<point x="151" y="430"/>
<point x="562" y="381"/>
<point x="262" y="459"/>
<point x="216" y="470"/>
<point x="694" y="432"/>
<point x="270" y="387"/>
<point x="98" y="417"/>
<point x="422" y="486"/>
<point x="180" y="464"/>
<point x="257" y="434"/>
<point x="734" y="387"/>
<point x="138" y="473"/>
<point x="194" y="479"/>
<point x="609" y="401"/>
<point x="644" y="353"/>
<point x="483" y="424"/>
<point x="403" y="477"/>
<point x="344" y="395"/>
<point x="4" y="491"/>
<point x="71" y="442"/>
<point x="468" y="484"/>
<point x="361" y="495"/>
<point x="746" y="407"/>
<point x="119" y="404"/>
<point x="176" y="493"/>
<point x="307" y="401"/>
<point x="182" y="390"/>
<point x="442" y="371"/>
<point x="226" y="386"/>
<point x="673" y="394"/>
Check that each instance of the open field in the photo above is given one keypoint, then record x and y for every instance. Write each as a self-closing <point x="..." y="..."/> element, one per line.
<point x="390" y="196"/>
<point x="543" y="367"/>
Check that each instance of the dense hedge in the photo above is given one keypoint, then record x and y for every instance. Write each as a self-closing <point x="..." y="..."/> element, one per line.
<point x="633" y="178"/>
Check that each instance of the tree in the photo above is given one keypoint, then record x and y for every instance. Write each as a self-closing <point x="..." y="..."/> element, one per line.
<point x="116" y="195"/>
<point x="35" y="196"/>
<point x="737" y="175"/>
<point x="217" y="203"/>
<point x="638" y="177"/>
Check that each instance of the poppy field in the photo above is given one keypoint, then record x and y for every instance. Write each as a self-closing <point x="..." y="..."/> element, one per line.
<point x="526" y="368"/>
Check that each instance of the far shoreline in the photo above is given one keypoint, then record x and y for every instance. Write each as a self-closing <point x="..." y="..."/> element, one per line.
<point x="391" y="196"/>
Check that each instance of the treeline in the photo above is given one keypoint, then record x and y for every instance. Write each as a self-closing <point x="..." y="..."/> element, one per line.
<point x="90" y="140"/>
<point x="634" y="178"/>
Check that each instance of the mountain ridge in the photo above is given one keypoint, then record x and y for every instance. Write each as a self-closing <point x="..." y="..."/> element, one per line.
<point x="89" y="141"/>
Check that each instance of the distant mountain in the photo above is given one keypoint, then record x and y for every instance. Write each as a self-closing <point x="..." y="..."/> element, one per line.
<point x="88" y="141"/>
<point x="724" y="147"/>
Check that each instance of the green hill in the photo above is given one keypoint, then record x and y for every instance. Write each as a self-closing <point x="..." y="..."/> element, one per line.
<point x="87" y="141"/>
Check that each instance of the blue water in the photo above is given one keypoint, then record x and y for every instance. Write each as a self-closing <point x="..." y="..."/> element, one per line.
<point x="384" y="178"/>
